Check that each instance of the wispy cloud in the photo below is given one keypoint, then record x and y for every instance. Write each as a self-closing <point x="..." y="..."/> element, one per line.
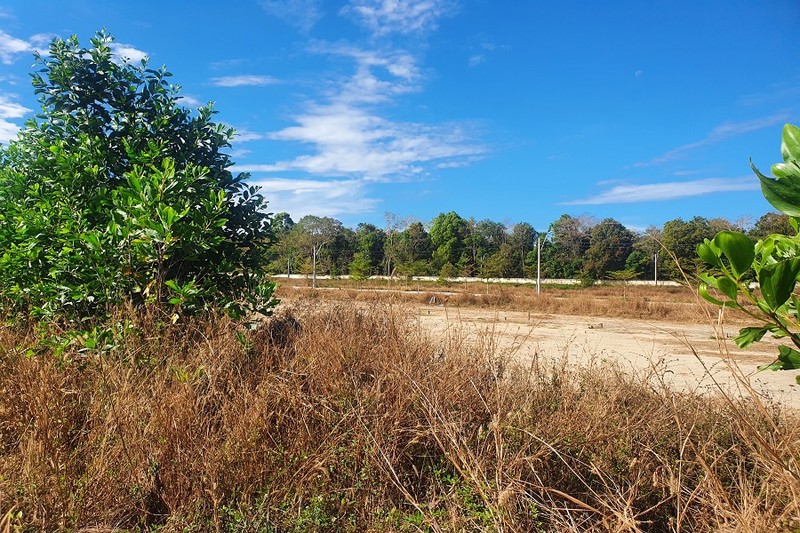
<point x="351" y="141"/>
<point x="189" y="101"/>
<point x="384" y="17"/>
<point x="348" y="136"/>
<point x="243" y="135"/>
<point x="718" y="134"/>
<point x="300" y="14"/>
<point x="10" y="109"/>
<point x="379" y="75"/>
<point x="243" y="80"/>
<point x="655" y="192"/>
<point x="776" y="92"/>
<point x="127" y="52"/>
<point x="11" y="46"/>
<point x="316" y="197"/>
<point x="345" y="133"/>
<point x="476" y="59"/>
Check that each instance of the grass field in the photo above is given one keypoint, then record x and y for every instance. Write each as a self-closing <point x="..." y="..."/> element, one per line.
<point x="678" y="304"/>
<point x="341" y="416"/>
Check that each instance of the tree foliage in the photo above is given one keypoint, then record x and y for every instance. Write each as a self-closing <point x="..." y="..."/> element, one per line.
<point x="610" y="244"/>
<point x="115" y="192"/>
<point x="448" y="237"/>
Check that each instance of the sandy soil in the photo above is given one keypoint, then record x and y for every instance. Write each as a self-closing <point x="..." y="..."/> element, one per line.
<point x="689" y="357"/>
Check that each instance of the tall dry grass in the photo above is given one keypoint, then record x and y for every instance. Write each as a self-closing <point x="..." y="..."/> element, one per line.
<point x="337" y="417"/>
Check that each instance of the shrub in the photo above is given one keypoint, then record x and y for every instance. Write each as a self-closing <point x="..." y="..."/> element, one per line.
<point x="115" y="192"/>
<point x="773" y="261"/>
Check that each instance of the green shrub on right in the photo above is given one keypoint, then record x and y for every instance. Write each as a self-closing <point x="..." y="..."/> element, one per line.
<point x="774" y="262"/>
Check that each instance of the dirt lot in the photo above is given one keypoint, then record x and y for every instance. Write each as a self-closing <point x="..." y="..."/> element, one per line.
<point x="664" y="331"/>
<point x="687" y="356"/>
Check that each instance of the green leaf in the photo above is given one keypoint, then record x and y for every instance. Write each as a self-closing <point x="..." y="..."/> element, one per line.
<point x="728" y="288"/>
<point x="777" y="281"/>
<point x="790" y="143"/>
<point x="788" y="359"/>
<point x="134" y="182"/>
<point x="92" y="240"/>
<point x="709" y="253"/>
<point x="705" y="295"/>
<point x="167" y="215"/>
<point x="739" y="250"/>
<point x="748" y="336"/>
<point x="786" y="170"/>
<point x="783" y="194"/>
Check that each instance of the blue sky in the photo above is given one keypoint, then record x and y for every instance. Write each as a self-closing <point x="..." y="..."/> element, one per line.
<point x="516" y="111"/>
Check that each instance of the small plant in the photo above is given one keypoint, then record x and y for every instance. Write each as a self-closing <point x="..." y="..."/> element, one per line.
<point x="774" y="262"/>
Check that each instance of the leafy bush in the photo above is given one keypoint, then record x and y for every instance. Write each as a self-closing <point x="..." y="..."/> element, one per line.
<point x="773" y="261"/>
<point x="115" y="192"/>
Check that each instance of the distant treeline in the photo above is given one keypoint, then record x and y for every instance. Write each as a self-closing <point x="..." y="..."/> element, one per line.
<point x="451" y="246"/>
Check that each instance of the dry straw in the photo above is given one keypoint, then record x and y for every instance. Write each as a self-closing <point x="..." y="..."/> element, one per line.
<point x="348" y="417"/>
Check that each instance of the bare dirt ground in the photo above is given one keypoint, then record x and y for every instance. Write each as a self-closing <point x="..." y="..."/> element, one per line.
<point x="685" y="356"/>
<point x="662" y="333"/>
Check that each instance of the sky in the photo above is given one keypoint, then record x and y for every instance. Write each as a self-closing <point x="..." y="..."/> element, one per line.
<point x="514" y="111"/>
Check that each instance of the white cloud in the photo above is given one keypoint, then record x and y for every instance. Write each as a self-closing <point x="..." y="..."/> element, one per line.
<point x="300" y="14"/>
<point x="346" y="135"/>
<point x="718" y="134"/>
<point x="313" y="197"/>
<point x="8" y="131"/>
<point x="189" y="101"/>
<point x="11" y="46"/>
<point x="351" y="141"/>
<point x="127" y="52"/>
<point x="378" y="76"/>
<point x="653" y="192"/>
<point x="243" y="80"/>
<point x="10" y="109"/>
<point x="243" y="135"/>
<point x="383" y="17"/>
<point x="477" y="59"/>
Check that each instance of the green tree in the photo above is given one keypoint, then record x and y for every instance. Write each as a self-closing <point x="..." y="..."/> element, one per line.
<point x="610" y="244"/>
<point x="646" y="247"/>
<point x="523" y="240"/>
<point x="285" y="248"/>
<point x="313" y="233"/>
<point x="370" y="241"/>
<point x="414" y="251"/>
<point x="771" y="223"/>
<point x="562" y="255"/>
<point x="501" y="264"/>
<point x="680" y="239"/>
<point x="448" y="237"/>
<point x="359" y="267"/>
<point x="115" y="192"/>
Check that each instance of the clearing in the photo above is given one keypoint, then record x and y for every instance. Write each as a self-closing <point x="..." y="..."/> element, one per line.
<point x="663" y="333"/>
<point x="685" y="356"/>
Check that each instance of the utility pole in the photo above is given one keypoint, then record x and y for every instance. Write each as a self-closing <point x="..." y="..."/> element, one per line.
<point x="538" y="264"/>
<point x="655" y="268"/>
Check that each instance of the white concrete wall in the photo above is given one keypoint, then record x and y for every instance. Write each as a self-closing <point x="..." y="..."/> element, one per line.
<point x="510" y="281"/>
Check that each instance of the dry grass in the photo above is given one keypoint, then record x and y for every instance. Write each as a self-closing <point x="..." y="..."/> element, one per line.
<point x="337" y="417"/>
<point x="676" y="304"/>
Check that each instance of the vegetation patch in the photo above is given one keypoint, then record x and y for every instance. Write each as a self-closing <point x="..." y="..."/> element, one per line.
<point x="341" y="417"/>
